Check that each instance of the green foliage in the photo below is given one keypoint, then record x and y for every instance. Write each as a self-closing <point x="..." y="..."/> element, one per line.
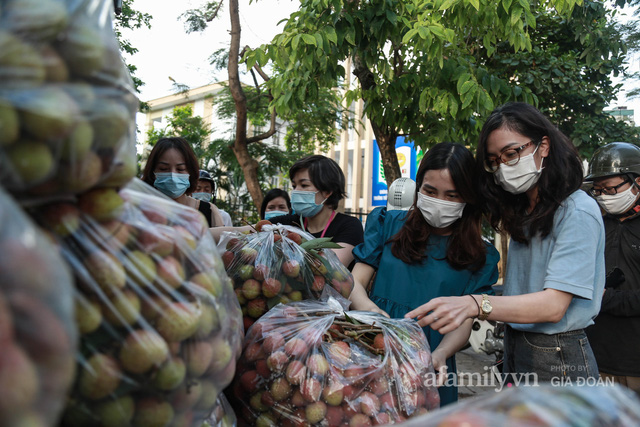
<point x="198" y="19"/>
<point x="433" y="69"/>
<point x="183" y="123"/>
<point x="131" y="19"/>
<point x="570" y="71"/>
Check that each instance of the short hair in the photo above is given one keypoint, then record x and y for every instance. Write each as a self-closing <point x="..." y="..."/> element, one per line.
<point x="274" y="194"/>
<point x="168" y="143"/>
<point x="325" y="174"/>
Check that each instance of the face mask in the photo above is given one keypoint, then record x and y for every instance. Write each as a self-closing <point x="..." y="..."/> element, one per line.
<point x="204" y="197"/>
<point x="617" y="203"/>
<point x="519" y="178"/>
<point x="304" y="203"/>
<point x="273" y="214"/>
<point x="172" y="184"/>
<point x="439" y="213"/>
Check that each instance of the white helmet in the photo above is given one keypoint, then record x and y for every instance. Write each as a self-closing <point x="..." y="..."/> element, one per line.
<point x="401" y="194"/>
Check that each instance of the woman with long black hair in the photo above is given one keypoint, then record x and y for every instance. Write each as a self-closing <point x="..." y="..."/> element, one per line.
<point x="530" y="178"/>
<point x="435" y="249"/>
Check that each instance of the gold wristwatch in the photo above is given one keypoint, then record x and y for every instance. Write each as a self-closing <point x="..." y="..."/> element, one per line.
<point x="486" y="307"/>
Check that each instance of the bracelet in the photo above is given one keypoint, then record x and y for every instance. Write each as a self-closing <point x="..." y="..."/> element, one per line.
<point x="474" y="300"/>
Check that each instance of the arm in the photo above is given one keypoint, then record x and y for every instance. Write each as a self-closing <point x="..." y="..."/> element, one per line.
<point x="549" y="305"/>
<point x="216" y="232"/>
<point x="362" y="273"/>
<point x="216" y="218"/>
<point x="450" y="344"/>
<point x="345" y="254"/>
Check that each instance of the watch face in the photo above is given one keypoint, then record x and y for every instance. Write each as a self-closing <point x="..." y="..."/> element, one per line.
<point x="486" y="307"/>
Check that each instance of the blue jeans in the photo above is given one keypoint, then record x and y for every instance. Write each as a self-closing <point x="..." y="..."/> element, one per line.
<point x="556" y="357"/>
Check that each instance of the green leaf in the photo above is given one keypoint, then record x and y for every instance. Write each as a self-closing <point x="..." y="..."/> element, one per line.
<point x="309" y="39"/>
<point x="475" y="3"/>
<point x="391" y="16"/>
<point x="320" y="243"/>
<point x="331" y="34"/>
<point x="447" y="4"/>
<point x="295" y="42"/>
<point x="438" y="31"/>
<point x="410" y="34"/>
<point x="466" y="87"/>
<point x="462" y="80"/>
<point x="453" y="105"/>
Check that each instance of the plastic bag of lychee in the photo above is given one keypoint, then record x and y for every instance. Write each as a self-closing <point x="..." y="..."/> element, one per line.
<point x="312" y="363"/>
<point x="222" y="415"/>
<point x="160" y="326"/>
<point x="37" y="332"/>
<point x="280" y="264"/>
<point x="592" y="403"/>
<point x="67" y="103"/>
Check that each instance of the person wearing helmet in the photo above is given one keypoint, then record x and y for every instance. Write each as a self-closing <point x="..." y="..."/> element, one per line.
<point x="432" y="250"/>
<point x="206" y="192"/>
<point x="614" y="171"/>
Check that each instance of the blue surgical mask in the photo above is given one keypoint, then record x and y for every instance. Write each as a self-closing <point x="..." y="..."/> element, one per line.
<point x="172" y="184"/>
<point x="205" y="197"/>
<point x="304" y="203"/>
<point x="273" y="214"/>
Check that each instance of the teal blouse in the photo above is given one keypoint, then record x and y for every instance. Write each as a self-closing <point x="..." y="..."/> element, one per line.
<point x="399" y="287"/>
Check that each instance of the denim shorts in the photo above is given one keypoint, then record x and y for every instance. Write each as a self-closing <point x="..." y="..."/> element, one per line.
<point x="562" y="356"/>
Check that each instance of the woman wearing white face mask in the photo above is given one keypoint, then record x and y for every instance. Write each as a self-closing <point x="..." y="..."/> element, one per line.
<point x="435" y="249"/>
<point x="615" y="172"/>
<point x="531" y="177"/>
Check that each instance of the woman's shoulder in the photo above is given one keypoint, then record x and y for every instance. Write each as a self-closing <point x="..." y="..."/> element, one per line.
<point x="579" y="204"/>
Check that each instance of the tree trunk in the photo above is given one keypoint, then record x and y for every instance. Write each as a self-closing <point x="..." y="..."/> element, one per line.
<point x="249" y="165"/>
<point x="387" y="146"/>
<point x="385" y="135"/>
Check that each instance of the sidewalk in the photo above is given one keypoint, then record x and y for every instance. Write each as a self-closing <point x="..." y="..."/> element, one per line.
<point x="468" y="362"/>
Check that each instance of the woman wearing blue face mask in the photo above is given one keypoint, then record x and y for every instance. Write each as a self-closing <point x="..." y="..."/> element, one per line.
<point x="275" y="203"/>
<point x="435" y="249"/>
<point x="172" y="168"/>
<point x="318" y="186"/>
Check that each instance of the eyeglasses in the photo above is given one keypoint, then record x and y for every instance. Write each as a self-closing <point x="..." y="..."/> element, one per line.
<point x="609" y="191"/>
<point x="509" y="157"/>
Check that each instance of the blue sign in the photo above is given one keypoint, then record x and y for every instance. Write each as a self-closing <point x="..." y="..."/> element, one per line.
<point x="408" y="159"/>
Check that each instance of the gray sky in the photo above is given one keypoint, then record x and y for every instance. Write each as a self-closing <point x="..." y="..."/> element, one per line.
<point x="167" y="51"/>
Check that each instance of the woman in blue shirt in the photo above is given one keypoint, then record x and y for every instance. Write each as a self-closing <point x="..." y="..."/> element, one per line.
<point x="435" y="249"/>
<point x="555" y="271"/>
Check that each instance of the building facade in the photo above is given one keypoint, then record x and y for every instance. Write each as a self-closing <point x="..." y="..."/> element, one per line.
<point x="355" y="150"/>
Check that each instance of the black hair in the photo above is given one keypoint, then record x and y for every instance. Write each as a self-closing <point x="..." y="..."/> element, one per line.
<point x="561" y="175"/>
<point x="325" y="174"/>
<point x="465" y="249"/>
<point x="274" y="194"/>
<point x="183" y="146"/>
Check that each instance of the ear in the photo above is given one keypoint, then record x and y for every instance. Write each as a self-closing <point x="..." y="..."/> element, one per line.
<point x="544" y="147"/>
<point x="326" y="194"/>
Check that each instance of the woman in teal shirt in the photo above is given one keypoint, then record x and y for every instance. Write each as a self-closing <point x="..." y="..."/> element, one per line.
<point x="435" y="249"/>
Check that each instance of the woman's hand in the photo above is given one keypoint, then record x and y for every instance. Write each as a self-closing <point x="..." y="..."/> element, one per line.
<point x="444" y="314"/>
<point x="439" y="360"/>
<point x="365" y="304"/>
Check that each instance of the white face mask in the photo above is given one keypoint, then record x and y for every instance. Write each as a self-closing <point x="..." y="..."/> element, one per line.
<point x="439" y="213"/>
<point x="619" y="203"/>
<point x="519" y="178"/>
